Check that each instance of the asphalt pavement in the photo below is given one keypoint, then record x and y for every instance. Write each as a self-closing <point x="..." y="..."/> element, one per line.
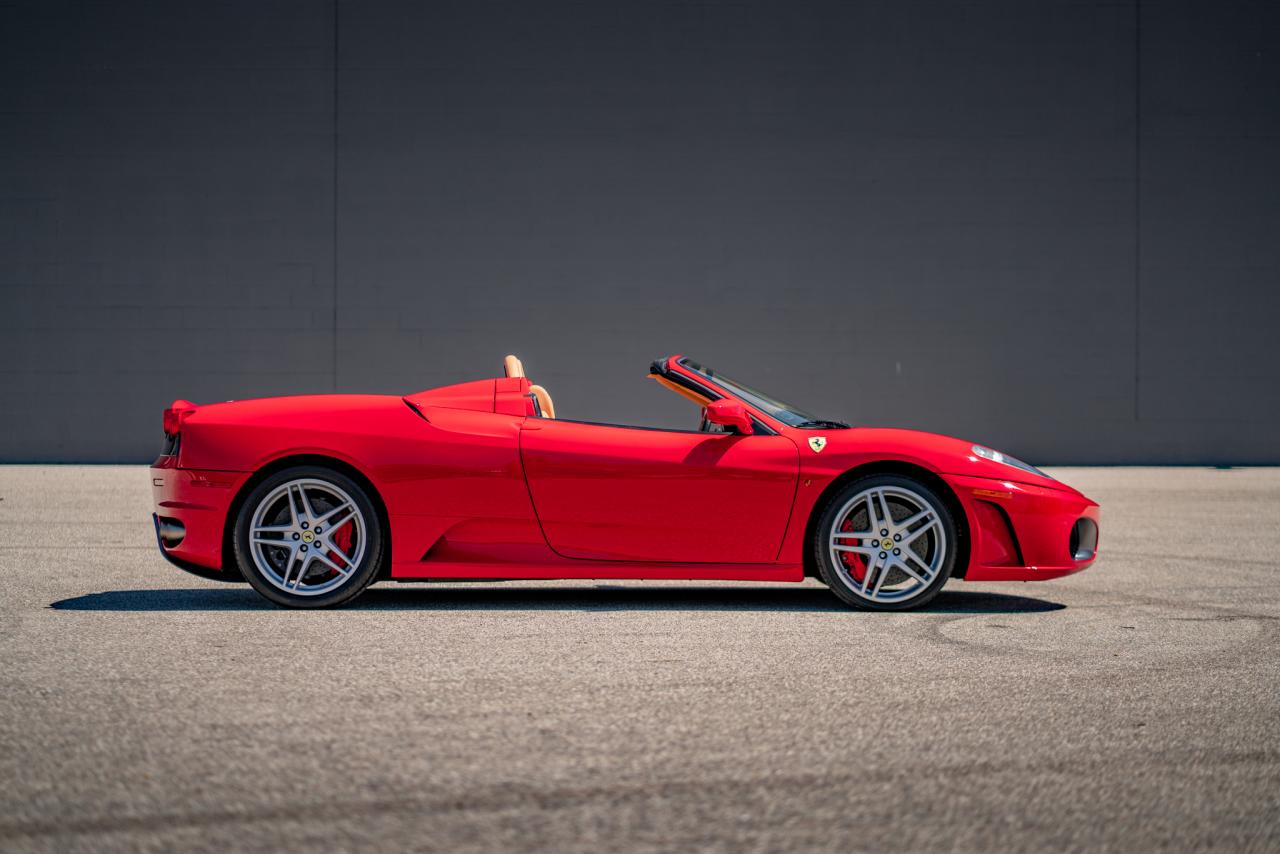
<point x="1133" y="706"/>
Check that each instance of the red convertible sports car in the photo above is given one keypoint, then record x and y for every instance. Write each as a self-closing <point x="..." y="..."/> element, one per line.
<point x="312" y="499"/>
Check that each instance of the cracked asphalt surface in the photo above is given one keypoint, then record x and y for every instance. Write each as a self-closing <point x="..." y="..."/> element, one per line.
<point x="1133" y="706"/>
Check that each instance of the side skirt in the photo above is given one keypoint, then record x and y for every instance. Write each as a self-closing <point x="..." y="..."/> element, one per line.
<point x="429" y="570"/>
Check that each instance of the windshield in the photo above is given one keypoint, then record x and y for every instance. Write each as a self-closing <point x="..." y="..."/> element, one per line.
<point x="792" y="416"/>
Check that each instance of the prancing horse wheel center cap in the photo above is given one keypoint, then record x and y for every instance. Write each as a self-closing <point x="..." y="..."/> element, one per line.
<point x="308" y="537"/>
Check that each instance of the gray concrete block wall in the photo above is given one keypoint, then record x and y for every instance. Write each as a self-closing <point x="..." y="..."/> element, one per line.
<point x="1209" y="332"/>
<point x="1047" y="226"/>
<point x="166" y="215"/>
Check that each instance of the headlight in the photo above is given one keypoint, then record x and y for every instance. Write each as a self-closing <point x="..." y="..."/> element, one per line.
<point x="997" y="457"/>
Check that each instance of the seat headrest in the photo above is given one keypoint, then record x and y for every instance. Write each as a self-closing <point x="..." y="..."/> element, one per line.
<point x="513" y="367"/>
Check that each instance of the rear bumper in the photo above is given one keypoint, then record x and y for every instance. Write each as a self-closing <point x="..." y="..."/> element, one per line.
<point x="1021" y="532"/>
<point x="192" y="505"/>
<point x="188" y="566"/>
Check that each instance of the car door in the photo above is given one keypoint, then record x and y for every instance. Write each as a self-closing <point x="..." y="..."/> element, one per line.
<point x="606" y="492"/>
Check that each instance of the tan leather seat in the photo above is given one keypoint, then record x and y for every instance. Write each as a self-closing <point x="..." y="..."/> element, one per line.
<point x="513" y="367"/>
<point x="545" y="406"/>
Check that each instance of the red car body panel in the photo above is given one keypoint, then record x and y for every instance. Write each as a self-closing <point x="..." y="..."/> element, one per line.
<point x="475" y="484"/>
<point x="616" y="493"/>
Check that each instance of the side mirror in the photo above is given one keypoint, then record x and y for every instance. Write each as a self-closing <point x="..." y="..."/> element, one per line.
<point x="730" y="413"/>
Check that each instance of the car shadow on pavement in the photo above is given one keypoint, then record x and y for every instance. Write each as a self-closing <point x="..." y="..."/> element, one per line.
<point x="604" y="597"/>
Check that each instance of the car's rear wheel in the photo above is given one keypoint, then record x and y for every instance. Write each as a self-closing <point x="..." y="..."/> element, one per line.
<point x="308" y="537"/>
<point x="886" y="543"/>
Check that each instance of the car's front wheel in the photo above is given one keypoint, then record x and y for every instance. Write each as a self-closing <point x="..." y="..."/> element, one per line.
<point x="308" y="537"/>
<point x="886" y="543"/>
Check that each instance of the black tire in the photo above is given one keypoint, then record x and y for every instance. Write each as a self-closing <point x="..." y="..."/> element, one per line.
<point x="334" y="590"/>
<point x="842" y="579"/>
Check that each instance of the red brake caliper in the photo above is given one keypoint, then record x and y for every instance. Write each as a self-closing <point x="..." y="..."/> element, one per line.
<point x="342" y="539"/>
<point x="853" y="562"/>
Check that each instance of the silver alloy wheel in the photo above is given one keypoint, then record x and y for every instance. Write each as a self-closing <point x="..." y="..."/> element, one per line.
<point x="292" y="533"/>
<point x="899" y="537"/>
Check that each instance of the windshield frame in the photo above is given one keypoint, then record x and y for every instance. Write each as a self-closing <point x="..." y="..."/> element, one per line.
<point x="784" y="413"/>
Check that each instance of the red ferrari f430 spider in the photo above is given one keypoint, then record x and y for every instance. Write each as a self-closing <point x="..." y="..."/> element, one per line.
<point x="311" y="499"/>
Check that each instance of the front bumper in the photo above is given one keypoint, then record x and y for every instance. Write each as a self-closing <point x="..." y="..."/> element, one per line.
<point x="194" y="503"/>
<point x="1021" y="532"/>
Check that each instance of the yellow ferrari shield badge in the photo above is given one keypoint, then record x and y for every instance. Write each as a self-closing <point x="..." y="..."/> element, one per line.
<point x="817" y="443"/>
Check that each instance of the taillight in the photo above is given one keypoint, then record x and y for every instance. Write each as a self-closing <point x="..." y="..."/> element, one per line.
<point x="173" y="416"/>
